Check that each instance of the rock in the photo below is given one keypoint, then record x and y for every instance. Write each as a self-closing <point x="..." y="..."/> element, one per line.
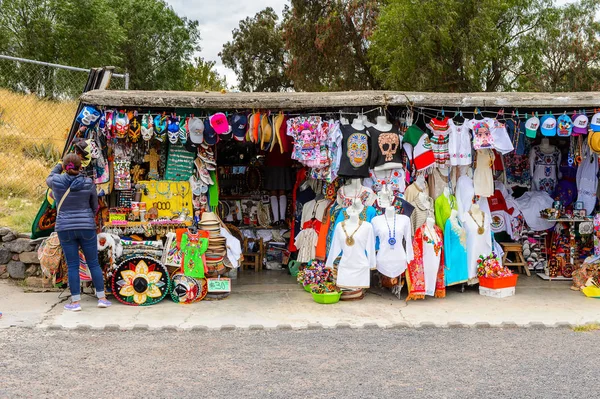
<point x="15" y="257"/>
<point x="4" y="231"/>
<point x="37" y="282"/>
<point x="9" y="237"/>
<point x="32" y="270"/>
<point x="20" y="245"/>
<point x="37" y="241"/>
<point x="23" y="235"/>
<point x="16" y="269"/>
<point x="5" y="256"/>
<point x="28" y="257"/>
<point x="2" y="269"/>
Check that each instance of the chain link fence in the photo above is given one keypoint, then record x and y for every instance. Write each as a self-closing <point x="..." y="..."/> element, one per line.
<point x="38" y="102"/>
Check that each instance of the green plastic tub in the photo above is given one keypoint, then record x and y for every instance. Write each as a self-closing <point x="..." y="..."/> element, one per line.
<point x="327" y="298"/>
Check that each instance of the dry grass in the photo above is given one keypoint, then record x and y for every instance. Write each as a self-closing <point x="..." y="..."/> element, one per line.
<point x="26" y="120"/>
<point x="587" y="327"/>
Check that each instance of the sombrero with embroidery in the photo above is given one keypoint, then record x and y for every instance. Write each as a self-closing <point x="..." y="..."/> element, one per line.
<point x="185" y="289"/>
<point x="140" y="281"/>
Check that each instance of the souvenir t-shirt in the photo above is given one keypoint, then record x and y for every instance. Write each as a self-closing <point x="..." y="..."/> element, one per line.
<point x="385" y="149"/>
<point x="482" y="134"/>
<point x="355" y="152"/>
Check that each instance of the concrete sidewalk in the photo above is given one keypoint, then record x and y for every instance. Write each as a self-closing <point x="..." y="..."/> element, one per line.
<point x="283" y="304"/>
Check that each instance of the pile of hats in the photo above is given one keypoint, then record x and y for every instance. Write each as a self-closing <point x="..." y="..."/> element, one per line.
<point x="217" y="249"/>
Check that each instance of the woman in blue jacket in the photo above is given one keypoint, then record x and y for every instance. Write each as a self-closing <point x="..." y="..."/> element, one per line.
<point x="77" y="202"/>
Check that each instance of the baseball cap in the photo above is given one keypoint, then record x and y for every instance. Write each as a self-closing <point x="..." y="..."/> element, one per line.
<point x="196" y="128"/>
<point x="565" y="125"/>
<point x="531" y="126"/>
<point x="548" y="125"/>
<point x="219" y="123"/>
<point x="210" y="136"/>
<point x="595" y="122"/>
<point x="580" y="123"/>
<point x="239" y="125"/>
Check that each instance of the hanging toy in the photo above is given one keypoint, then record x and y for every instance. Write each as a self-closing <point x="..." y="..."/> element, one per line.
<point x="160" y="126"/>
<point x="134" y="131"/>
<point x="121" y="125"/>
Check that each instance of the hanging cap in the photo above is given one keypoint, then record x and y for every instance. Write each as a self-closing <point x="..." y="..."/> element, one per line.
<point x="580" y="125"/>
<point x="548" y="125"/>
<point x="531" y="126"/>
<point x="219" y="123"/>
<point x="595" y="122"/>
<point x="239" y="125"/>
<point x="565" y="125"/>
<point x="210" y="136"/>
<point x="196" y="128"/>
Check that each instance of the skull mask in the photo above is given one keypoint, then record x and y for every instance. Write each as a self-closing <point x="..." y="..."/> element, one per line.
<point x="388" y="144"/>
<point x="147" y="127"/>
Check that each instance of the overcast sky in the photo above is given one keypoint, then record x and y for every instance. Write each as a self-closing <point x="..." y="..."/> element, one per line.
<point x="218" y="18"/>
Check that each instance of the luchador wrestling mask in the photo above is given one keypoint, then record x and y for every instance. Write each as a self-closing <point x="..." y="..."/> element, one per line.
<point x="358" y="149"/>
<point x="147" y="127"/>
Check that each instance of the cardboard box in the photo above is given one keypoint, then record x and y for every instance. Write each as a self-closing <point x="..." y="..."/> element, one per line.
<point x="497" y="293"/>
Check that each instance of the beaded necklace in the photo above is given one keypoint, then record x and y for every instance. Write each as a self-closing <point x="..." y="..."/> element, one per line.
<point x="392" y="239"/>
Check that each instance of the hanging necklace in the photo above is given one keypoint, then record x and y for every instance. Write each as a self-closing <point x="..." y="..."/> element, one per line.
<point x="167" y="194"/>
<point x="431" y="238"/>
<point x="480" y="228"/>
<point x="392" y="239"/>
<point x="350" y="238"/>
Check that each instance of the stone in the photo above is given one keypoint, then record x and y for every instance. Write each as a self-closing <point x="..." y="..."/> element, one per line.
<point x="24" y="235"/>
<point x="4" y="231"/>
<point x="15" y="257"/>
<point x="37" y="282"/>
<point x="5" y="256"/>
<point x="20" y="245"/>
<point x="29" y="258"/>
<point x="9" y="237"/>
<point x="2" y="269"/>
<point x="32" y="270"/>
<point x="16" y="269"/>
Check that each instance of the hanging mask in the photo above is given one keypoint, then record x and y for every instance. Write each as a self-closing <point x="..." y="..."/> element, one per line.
<point x="183" y="131"/>
<point x="109" y="124"/>
<point x="134" y="129"/>
<point x="147" y="127"/>
<point x="94" y="149"/>
<point x="88" y="116"/>
<point x="121" y="125"/>
<point x="173" y="129"/>
<point x="160" y="127"/>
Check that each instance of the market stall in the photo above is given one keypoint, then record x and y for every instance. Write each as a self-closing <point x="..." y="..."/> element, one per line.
<point x="414" y="192"/>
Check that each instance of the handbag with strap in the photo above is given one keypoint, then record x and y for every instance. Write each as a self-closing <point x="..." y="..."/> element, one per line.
<point x="50" y="252"/>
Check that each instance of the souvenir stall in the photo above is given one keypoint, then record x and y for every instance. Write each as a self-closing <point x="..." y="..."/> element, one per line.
<point x="413" y="196"/>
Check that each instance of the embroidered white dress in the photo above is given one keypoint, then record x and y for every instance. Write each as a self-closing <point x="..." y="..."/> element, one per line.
<point x="477" y="244"/>
<point x="392" y="260"/>
<point x="459" y="144"/>
<point x="357" y="260"/>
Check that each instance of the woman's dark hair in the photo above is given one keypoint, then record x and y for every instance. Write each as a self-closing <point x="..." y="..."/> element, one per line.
<point x="72" y="164"/>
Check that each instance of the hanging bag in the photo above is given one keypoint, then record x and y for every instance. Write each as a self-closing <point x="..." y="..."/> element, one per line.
<point x="50" y="252"/>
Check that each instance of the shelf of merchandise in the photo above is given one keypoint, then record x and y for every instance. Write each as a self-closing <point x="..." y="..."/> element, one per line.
<point x="544" y="276"/>
<point x="138" y="224"/>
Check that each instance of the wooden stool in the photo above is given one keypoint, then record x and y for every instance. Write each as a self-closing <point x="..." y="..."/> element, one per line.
<point x="517" y="250"/>
<point x="253" y="259"/>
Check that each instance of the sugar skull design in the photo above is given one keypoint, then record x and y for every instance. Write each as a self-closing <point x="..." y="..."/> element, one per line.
<point x="147" y="127"/>
<point x="358" y="149"/>
<point x="388" y="144"/>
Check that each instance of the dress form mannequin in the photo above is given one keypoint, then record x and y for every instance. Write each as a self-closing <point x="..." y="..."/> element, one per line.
<point x="358" y="124"/>
<point x="390" y="213"/>
<point x="424" y="199"/>
<point x="365" y="120"/>
<point x="447" y="192"/>
<point x="546" y="147"/>
<point x="385" y="197"/>
<point x="477" y="214"/>
<point x="430" y="222"/>
<point x="453" y="214"/>
<point x="420" y="182"/>
<point x="353" y="188"/>
<point x="382" y="124"/>
<point x="353" y="215"/>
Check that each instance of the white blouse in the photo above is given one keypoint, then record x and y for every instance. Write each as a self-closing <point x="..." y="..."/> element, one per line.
<point x="357" y="260"/>
<point x="392" y="260"/>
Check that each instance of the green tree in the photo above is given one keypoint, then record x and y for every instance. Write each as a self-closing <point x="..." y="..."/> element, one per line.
<point x="200" y="76"/>
<point x="327" y="42"/>
<point x="257" y="54"/>
<point x="569" y="51"/>
<point x="158" y="43"/>
<point x="454" y="45"/>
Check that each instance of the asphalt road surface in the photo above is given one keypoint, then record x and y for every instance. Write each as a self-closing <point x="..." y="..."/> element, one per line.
<point x="428" y="363"/>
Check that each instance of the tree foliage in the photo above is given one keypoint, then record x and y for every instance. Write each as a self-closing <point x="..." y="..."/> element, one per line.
<point x="327" y="41"/>
<point x="257" y="54"/>
<point x="200" y="76"/>
<point x="143" y="37"/>
<point x="454" y="45"/>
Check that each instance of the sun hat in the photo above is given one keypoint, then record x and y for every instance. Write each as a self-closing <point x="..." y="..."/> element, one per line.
<point x="580" y="124"/>
<point x="564" y="125"/>
<point x="219" y="123"/>
<point x="210" y="136"/>
<point x="239" y="125"/>
<point x="278" y="121"/>
<point x="548" y="125"/>
<point x="594" y="142"/>
<point x="595" y="122"/>
<point x="209" y="217"/>
<point x="267" y="132"/>
<point x="196" y="129"/>
<point x="531" y="126"/>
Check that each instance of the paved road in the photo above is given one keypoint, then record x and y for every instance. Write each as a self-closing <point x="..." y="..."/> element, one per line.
<point x="429" y="363"/>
